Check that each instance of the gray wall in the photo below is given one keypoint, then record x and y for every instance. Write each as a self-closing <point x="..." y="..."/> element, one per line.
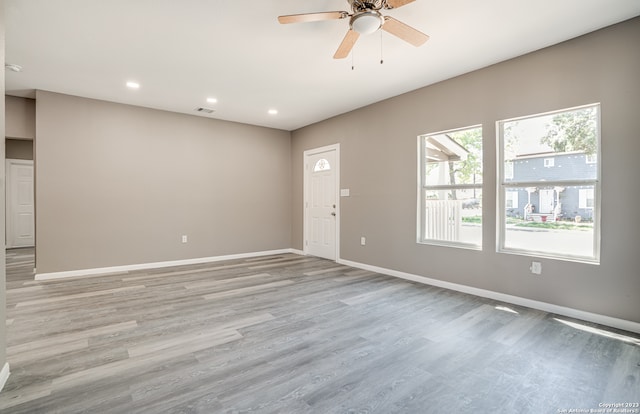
<point x="379" y="166"/>
<point x="20" y="117"/>
<point x="19" y="149"/>
<point x="119" y="185"/>
<point x="3" y="315"/>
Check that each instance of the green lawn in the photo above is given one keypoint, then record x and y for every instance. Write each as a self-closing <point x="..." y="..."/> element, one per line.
<point x="551" y="225"/>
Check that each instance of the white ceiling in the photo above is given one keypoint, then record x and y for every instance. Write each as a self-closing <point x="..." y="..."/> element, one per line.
<point x="183" y="51"/>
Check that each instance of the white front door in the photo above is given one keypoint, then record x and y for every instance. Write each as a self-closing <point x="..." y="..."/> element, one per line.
<point x="546" y="201"/>
<point x="19" y="206"/>
<point x="321" y="183"/>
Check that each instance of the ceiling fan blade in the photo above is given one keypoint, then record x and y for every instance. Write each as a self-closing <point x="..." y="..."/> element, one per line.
<point x="404" y="32"/>
<point x="347" y="44"/>
<point x="312" y="17"/>
<point x="394" y="4"/>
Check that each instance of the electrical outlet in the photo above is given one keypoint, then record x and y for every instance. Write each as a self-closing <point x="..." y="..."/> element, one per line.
<point x="363" y="241"/>
<point x="184" y="239"/>
<point x="536" y="268"/>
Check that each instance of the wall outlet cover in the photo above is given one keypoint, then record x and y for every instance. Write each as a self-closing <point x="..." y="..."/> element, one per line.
<point x="536" y="268"/>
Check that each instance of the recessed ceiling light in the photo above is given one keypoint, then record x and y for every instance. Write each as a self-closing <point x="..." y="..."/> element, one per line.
<point x="133" y="85"/>
<point x="13" y="67"/>
<point x="273" y="111"/>
<point x="212" y="100"/>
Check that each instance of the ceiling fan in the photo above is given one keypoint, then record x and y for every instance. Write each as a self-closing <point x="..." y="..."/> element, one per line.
<point x="364" y="19"/>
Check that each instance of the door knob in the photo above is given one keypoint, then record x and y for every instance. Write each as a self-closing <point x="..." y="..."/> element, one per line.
<point x="333" y="213"/>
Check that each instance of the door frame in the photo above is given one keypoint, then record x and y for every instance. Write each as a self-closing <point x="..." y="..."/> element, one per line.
<point x="8" y="200"/>
<point x="306" y="175"/>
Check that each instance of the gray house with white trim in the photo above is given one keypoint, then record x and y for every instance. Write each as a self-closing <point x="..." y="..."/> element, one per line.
<point x="551" y="201"/>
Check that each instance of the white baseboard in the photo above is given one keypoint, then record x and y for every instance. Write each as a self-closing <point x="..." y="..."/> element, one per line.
<point x="516" y="300"/>
<point x="102" y="271"/>
<point x="4" y="375"/>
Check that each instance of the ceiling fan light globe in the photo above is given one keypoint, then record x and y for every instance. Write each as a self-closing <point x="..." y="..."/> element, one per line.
<point x="367" y="22"/>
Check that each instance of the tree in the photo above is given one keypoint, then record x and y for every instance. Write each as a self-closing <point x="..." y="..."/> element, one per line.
<point x="573" y="131"/>
<point x="468" y="170"/>
<point x="510" y="139"/>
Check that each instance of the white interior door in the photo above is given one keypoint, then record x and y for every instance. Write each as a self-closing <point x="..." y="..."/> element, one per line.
<point x="20" y="206"/>
<point x="321" y="210"/>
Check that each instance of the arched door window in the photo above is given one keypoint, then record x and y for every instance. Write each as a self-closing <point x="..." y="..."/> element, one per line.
<point x="322" y="165"/>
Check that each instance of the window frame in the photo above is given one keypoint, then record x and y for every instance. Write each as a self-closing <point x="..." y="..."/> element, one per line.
<point x="512" y="199"/>
<point x="589" y="194"/>
<point x="502" y="186"/>
<point x="509" y="170"/>
<point x="423" y="188"/>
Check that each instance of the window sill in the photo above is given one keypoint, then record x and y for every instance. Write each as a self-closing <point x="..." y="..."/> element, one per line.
<point x="442" y="243"/>
<point x="545" y="255"/>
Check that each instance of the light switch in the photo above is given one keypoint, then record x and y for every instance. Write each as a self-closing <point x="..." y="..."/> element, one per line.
<point x="344" y="192"/>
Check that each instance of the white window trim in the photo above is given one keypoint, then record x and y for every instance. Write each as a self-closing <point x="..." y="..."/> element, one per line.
<point x="502" y="185"/>
<point x="514" y="199"/>
<point x="584" y="195"/>
<point x="509" y="167"/>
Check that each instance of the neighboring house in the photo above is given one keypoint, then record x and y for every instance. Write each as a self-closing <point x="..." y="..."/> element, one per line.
<point x="552" y="201"/>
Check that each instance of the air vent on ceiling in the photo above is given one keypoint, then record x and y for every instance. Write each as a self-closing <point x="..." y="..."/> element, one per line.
<point x="205" y="110"/>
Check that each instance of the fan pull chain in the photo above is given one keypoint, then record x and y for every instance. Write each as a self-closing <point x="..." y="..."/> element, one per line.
<point x="381" y="54"/>
<point x="353" y="66"/>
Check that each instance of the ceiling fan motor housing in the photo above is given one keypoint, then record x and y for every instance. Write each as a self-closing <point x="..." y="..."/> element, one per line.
<point x="362" y="5"/>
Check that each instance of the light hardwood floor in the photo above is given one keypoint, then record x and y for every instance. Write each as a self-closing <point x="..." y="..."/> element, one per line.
<point x="291" y="334"/>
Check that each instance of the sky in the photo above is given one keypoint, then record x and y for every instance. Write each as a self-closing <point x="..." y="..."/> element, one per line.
<point x="530" y="131"/>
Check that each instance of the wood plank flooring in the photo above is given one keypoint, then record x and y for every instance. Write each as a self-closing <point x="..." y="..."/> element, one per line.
<point x="291" y="334"/>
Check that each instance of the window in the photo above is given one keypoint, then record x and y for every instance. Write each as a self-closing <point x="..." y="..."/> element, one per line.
<point x="508" y="170"/>
<point x="586" y="198"/>
<point x="450" y="188"/>
<point x="550" y="212"/>
<point x="511" y="200"/>
<point x="322" y="165"/>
